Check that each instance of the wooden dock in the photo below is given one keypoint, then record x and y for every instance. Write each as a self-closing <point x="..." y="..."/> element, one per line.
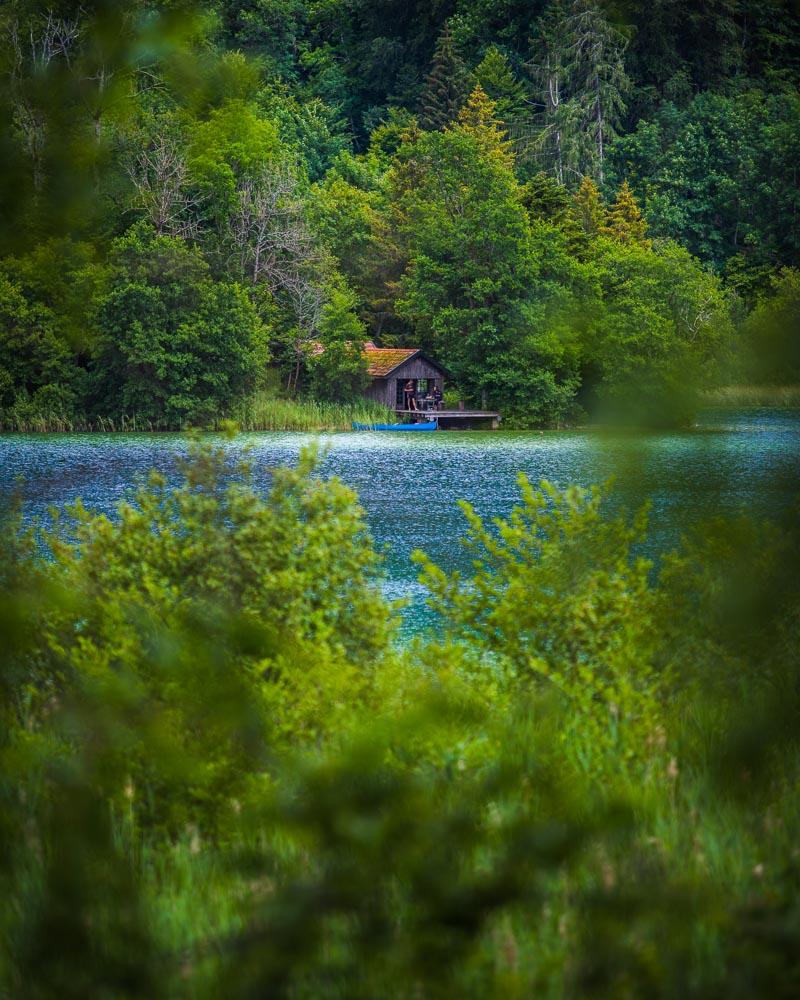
<point x="457" y="419"/>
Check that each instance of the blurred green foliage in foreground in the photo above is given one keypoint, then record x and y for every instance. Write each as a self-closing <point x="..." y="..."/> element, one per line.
<point x="219" y="776"/>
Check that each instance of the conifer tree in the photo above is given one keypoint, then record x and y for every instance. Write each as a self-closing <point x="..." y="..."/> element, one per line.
<point x="495" y="75"/>
<point x="579" y="82"/>
<point x="446" y="86"/>
<point x="624" y="221"/>
<point x="478" y="118"/>
<point x="551" y="135"/>
<point x="548" y="201"/>
<point x="589" y="207"/>
<point x="597" y="79"/>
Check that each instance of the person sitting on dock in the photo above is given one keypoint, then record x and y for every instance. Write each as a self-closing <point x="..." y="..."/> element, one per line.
<point x="410" y="394"/>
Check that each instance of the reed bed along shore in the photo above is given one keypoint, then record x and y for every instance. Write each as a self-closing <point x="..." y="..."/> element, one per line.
<point x="270" y="413"/>
<point x="778" y="396"/>
<point x="263" y="413"/>
<point x="259" y="413"/>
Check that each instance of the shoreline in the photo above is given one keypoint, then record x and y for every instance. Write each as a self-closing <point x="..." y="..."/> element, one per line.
<point x="779" y="397"/>
<point x="317" y="417"/>
<point x="93" y="431"/>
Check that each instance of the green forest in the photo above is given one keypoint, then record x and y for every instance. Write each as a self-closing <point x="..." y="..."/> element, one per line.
<point x="583" y="210"/>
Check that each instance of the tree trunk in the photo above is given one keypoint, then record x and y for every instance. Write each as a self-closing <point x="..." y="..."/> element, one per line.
<point x="600" y="140"/>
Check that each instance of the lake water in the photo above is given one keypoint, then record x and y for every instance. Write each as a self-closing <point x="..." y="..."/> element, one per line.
<point x="409" y="484"/>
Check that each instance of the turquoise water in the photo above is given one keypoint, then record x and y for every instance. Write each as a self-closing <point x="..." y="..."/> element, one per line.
<point x="409" y="483"/>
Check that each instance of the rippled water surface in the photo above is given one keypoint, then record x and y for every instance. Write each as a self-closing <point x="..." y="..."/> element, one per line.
<point x="409" y="483"/>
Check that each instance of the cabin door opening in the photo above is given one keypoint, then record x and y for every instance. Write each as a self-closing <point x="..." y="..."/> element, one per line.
<point x="400" y="395"/>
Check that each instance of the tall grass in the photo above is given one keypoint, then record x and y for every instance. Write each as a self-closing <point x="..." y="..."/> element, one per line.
<point x="54" y="422"/>
<point x="780" y="396"/>
<point x="29" y="421"/>
<point x="260" y="412"/>
<point x="267" y="413"/>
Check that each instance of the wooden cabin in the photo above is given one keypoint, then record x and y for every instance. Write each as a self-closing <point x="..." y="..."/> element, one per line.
<point x="389" y="368"/>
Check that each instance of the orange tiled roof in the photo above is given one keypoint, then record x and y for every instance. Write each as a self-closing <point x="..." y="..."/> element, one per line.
<point x="382" y="360"/>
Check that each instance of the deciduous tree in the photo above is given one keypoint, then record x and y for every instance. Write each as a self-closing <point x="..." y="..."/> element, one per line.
<point x="175" y="347"/>
<point x="659" y="333"/>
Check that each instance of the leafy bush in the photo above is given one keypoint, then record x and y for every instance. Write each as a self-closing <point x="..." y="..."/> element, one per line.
<point x="558" y="597"/>
<point x="227" y="623"/>
<point x="216" y="776"/>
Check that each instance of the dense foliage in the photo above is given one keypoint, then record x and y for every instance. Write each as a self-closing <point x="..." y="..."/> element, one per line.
<point x="172" y="345"/>
<point x="572" y="205"/>
<point x="218" y="775"/>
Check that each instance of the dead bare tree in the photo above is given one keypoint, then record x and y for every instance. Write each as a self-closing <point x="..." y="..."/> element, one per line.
<point x="693" y="315"/>
<point x="268" y="231"/>
<point x="46" y="39"/>
<point x="271" y="241"/>
<point x="159" y="174"/>
<point x="308" y="299"/>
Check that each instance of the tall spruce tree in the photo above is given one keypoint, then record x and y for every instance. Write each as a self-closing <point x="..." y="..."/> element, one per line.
<point x="446" y="86"/>
<point x="597" y="80"/>
<point x="496" y="77"/>
<point x="579" y="81"/>
<point x="624" y="220"/>
<point x="478" y="118"/>
<point x="550" y="135"/>
<point x="589" y="207"/>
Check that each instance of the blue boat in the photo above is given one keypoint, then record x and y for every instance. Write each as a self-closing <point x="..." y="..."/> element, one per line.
<point x="429" y="425"/>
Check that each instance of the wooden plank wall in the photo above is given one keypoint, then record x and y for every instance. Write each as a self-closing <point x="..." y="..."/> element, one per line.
<point x="383" y="390"/>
